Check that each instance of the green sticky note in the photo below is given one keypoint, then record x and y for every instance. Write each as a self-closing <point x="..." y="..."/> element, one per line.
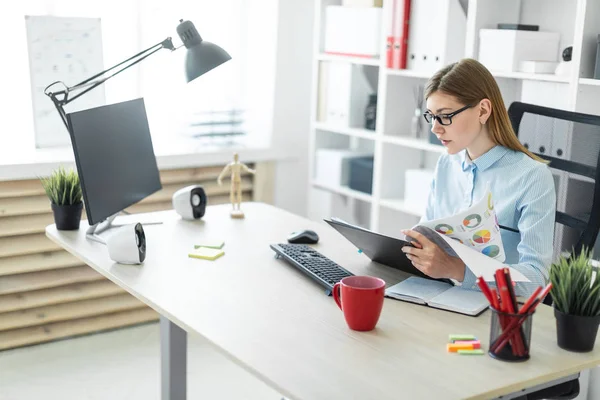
<point x="455" y="337"/>
<point x="206" y="253"/>
<point x="211" y="244"/>
<point x="471" y="352"/>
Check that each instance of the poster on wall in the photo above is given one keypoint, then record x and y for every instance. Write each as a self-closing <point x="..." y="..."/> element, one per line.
<point x="67" y="50"/>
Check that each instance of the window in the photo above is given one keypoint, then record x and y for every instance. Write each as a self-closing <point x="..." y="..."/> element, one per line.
<point x="236" y="97"/>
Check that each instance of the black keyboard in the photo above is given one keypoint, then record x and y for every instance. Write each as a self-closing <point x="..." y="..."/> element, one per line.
<point x="311" y="262"/>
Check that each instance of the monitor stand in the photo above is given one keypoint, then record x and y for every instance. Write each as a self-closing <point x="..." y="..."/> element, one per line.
<point x="99" y="227"/>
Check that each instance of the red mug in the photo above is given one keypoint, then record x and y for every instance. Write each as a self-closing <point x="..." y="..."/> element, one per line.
<point x="361" y="300"/>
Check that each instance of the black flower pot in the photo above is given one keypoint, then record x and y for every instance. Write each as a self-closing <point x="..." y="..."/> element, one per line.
<point x="67" y="218"/>
<point x="576" y="333"/>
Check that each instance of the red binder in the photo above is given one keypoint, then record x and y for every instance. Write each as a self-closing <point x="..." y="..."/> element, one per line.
<point x="389" y="45"/>
<point x="404" y="24"/>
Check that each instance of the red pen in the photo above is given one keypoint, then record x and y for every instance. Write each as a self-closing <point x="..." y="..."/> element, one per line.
<point x="511" y="289"/>
<point x="496" y="303"/>
<point x="530" y="300"/>
<point x="514" y="308"/>
<point x="485" y="289"/>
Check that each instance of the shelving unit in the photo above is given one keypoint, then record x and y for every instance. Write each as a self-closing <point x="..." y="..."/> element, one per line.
<point x="395" y="149"/>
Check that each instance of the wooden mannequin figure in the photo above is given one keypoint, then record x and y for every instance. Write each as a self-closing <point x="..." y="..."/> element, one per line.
<point x="235" y="194"/>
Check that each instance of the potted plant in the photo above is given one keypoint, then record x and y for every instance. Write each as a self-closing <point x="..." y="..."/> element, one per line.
<point x="63" y="189"/>
<point x="576" y="296"/>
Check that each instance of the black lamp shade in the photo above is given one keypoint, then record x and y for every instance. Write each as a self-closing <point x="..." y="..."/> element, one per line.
<point x="202" y="56"/>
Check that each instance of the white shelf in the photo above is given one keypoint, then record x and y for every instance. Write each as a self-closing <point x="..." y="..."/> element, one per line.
<point x="342" y="130"/>
<point x="531" y="77"/>
<point x="414" y="143"/>
<point x="589" y="82"/>
<point x="509" y="75"/>
<point x="349" y="59"/>
<point x="409" y="73"/>
<point x="344" y="190"/>
<point x="400" y="205"/>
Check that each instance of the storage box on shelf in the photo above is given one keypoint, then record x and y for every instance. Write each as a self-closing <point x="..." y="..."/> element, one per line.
<point x="361" y="174"/>
<point x="503" y="50"/>
<point x="353" y="31"/>
<point x="417" y="183"/>
<point x="333" y="166"/>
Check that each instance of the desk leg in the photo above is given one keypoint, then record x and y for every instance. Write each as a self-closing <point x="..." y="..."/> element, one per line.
<point x="173" y="354"/>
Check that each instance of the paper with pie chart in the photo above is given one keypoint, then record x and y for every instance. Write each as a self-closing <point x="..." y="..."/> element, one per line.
<point x="476" y="227"/>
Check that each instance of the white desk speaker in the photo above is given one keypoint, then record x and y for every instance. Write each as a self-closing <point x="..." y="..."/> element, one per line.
<point x="127" y="245"/>
<point x="190" y="202"/>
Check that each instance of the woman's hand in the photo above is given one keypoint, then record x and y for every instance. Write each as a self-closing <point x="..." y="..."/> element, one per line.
<point x="428" y="258"/>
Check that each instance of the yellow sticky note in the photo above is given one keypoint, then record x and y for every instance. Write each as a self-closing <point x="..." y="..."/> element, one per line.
<point x="213" y="244"/>
<point x="206" y="253"/>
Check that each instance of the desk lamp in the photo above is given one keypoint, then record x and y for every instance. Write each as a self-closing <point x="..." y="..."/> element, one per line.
<point x="128" y="244"/>
<point x="201" y="57"/>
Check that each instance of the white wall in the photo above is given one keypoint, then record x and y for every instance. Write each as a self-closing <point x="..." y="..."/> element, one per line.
<point x="291" y="112"/>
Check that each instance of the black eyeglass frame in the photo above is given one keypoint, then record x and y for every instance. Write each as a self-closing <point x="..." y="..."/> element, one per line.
<point x="439" y="117"/>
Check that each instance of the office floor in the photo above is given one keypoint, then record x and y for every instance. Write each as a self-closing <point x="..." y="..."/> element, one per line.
<point x="119" y="365"/>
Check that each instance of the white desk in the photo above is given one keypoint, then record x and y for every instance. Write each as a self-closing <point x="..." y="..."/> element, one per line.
<point x="279" y="325"/>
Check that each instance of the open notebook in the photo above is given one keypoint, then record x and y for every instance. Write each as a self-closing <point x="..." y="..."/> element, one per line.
<point x="440" y="295"/>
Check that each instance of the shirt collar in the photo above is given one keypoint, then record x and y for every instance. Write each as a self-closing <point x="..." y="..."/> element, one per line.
<point x="484" y="161"/>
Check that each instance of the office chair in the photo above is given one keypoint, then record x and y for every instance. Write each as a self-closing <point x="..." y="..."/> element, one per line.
<point x="571" y="142"/>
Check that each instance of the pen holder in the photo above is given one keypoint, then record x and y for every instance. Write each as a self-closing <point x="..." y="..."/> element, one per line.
<point x="510" y="336"/>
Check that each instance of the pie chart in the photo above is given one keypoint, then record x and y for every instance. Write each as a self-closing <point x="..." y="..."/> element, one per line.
<point x="444" y="228"/>
<point x="491" y="251"/>
<point x="472" y="220"/>
<point x="482" y="236"/>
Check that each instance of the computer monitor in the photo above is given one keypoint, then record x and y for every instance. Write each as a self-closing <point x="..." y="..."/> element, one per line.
<point x="114" y="157"/>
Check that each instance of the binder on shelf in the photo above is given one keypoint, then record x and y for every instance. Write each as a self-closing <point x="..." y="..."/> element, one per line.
<point x="561" y="131"/>
<point x="435" y="39"/>
<point x="542" y="139"/>
<point x="389" y="39"/>
<point x="402" y="23"/>
<point x="347" y="94"/>
<point x="527" y="132"/>
<point x="322" y="91"/>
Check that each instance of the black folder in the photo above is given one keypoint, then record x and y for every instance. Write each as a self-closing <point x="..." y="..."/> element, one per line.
<point x="380" y="248"/>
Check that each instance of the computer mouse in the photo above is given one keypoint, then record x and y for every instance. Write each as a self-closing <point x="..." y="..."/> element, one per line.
<point x="303" y="237"/>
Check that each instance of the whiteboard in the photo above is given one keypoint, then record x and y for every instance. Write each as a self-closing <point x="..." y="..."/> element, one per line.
<point x="67" y="50"/>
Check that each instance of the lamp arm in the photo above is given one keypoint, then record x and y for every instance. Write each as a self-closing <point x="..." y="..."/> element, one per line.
<point x="91" y="82"/>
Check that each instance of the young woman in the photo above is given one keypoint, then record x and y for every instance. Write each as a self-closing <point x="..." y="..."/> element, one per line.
<point x="468" y="115"/>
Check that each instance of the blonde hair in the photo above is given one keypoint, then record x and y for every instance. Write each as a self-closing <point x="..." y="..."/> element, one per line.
<point x="470" y="82"/>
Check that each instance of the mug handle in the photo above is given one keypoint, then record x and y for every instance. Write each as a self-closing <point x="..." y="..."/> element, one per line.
<point x="336" y="294"/>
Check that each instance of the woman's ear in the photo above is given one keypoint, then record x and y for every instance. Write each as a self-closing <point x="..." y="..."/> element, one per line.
<point x="485" y="110"/>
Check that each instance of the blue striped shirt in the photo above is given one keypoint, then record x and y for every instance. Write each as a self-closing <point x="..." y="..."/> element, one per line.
<point x="524" y="199"/>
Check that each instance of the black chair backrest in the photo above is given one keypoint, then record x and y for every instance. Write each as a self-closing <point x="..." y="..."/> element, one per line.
<point x="571" y="142"/>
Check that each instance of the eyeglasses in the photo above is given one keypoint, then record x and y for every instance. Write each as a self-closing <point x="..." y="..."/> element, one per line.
<point x="443" y="119"/>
